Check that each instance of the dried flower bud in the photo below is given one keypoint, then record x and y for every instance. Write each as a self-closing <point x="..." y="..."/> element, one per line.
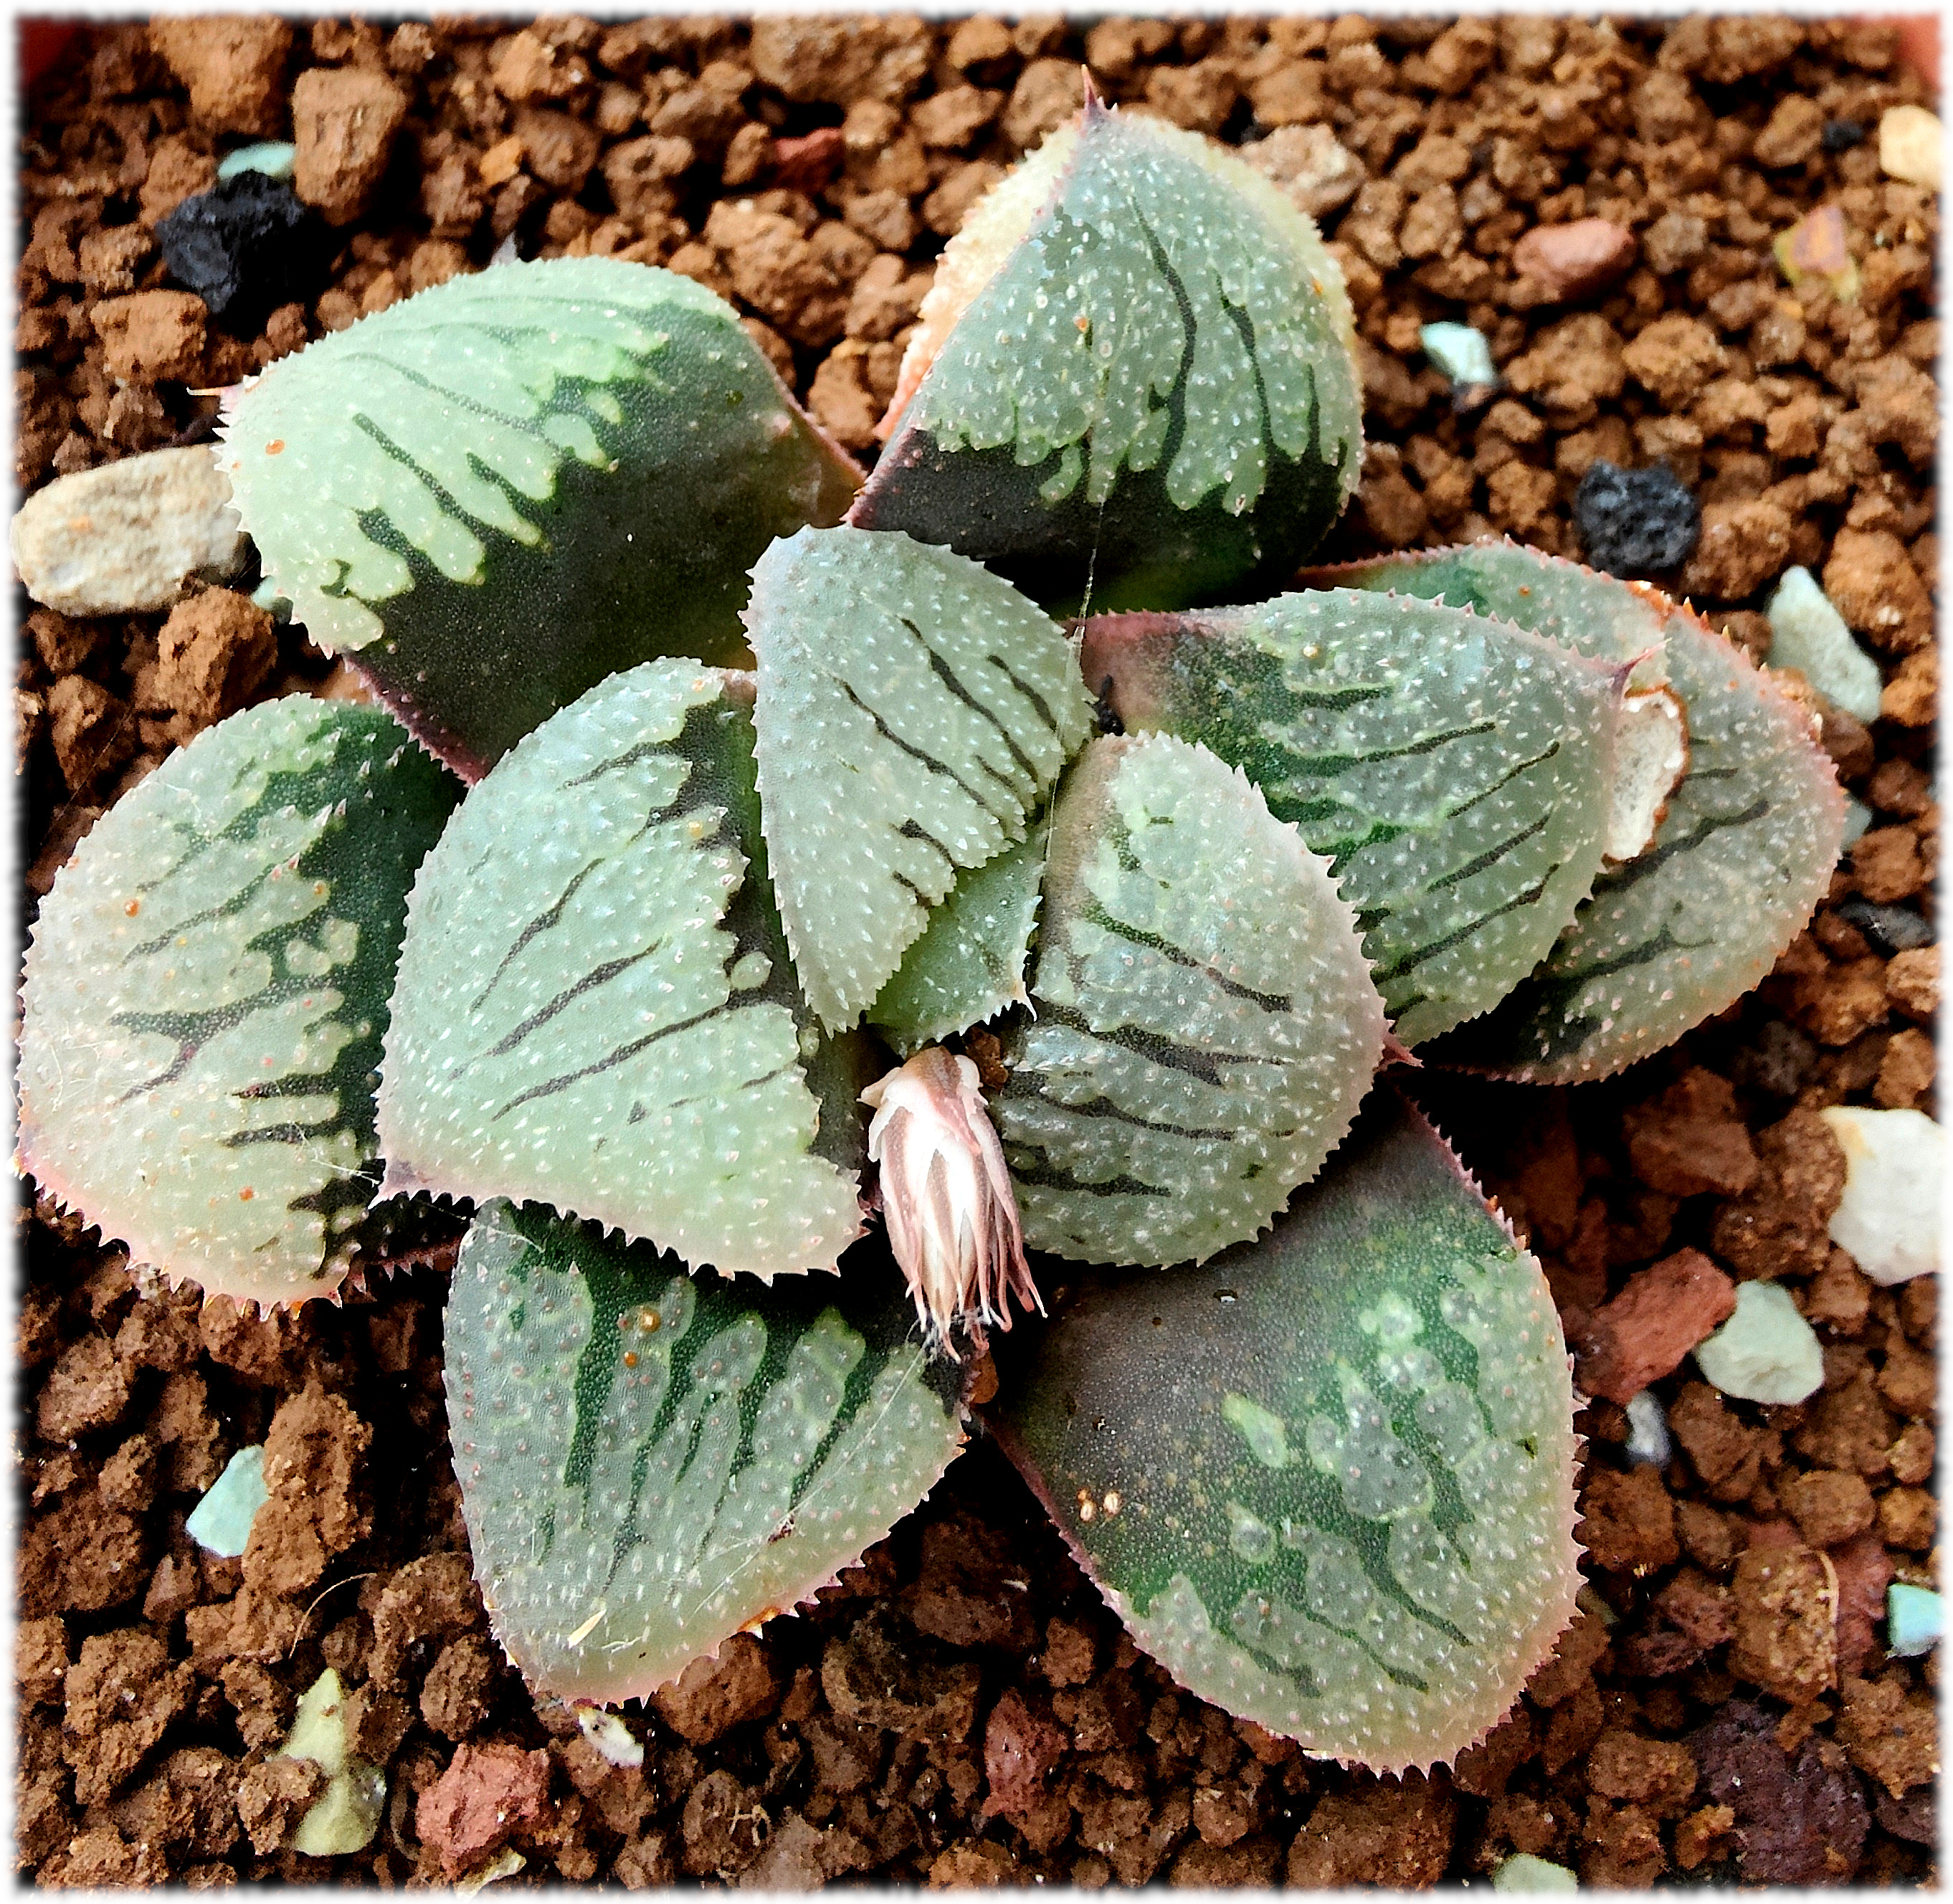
<point x="946" y="1196"/>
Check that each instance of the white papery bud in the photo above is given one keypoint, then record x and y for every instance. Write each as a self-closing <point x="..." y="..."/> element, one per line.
<point x="946" y="1196"/>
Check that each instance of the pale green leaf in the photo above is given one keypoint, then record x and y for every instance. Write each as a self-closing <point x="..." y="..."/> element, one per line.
<point x="496" y="492"/>
<point x="650" y="1462"/>
<point x="968" y="964"/>
<point x="1149" y="396"/>
<point x="1326" y="1480"/>
<point x="1742" y="855"/>
<point x="207" y="990"/>
<point x="595" y="1008"/>
<point x="1452" y="768"/>
<point x="1202" y="1025"/>
<point x="913" y="712"/>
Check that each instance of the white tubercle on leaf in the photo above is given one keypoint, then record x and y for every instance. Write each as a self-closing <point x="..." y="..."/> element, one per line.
<point x="946" y="1196"/>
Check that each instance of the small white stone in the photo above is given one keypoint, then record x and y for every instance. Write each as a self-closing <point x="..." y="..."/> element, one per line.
<point x="1461" y="352"/>
<point x="1524" y="1872"/>
<point x="1912" y="1620"/>
<point x="276" y="158"/>
<point x="221" y="1523"/>
<point x="1808" y="634"/>
<point x="345" y="1817"/>
<point x="505" y="1864"/>
<point x="1766" y="1351"/>
<point x="1857" y="819"/>
<point x="1887" y="1220"/>
<point x="610" y="1737"/>
<point x="1649" y="1442"/>
<point x="123" y="538"/>
<point x="1911" y="146"/>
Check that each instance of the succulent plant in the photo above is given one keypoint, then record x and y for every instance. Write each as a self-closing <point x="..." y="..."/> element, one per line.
<point x="733" y="822"/>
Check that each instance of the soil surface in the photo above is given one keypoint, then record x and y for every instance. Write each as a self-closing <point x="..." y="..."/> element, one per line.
<point x="962" y="1710"/>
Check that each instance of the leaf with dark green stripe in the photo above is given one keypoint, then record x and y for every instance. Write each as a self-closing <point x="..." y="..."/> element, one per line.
<point x="913" y="713"/>
<point x="968" y="964"/>
<point x="650" y="1462"/>
<point x="596" y="1010"/>
<point x="1135" y="378"/>
<point x="1202" y="1025"/>
<point x="1454" y="769"/>
<point x="207" y="990"/>
<point x="1327" y="1480"/>
<point x="494" y="494"/>
<point x="1743" y="853"/>
<point x="1597" y="614"/>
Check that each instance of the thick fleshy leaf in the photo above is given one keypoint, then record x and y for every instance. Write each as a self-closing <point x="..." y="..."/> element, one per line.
<point x="968" y="964"/>
<point x="494" y="494"/>
<point x="1135" y="380"/>
<point x="650" y="1461"/>
<point x="1597" y="614"/>
<point x="207" y="990"/>
<point x="1743" y="853"/>
<point x="1327" y="1480"/>
<point x="595" y="1009"/>
<point x="913" y="713"/>
<point x="1453" y="770"/>
<point x="1202" y="1025"/>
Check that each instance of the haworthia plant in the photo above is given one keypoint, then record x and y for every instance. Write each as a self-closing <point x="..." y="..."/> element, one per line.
<point x="1134" y="378"/>
<point x="1202" y="1025"/>
<point x="1454" y="771"/>
<point x="657" y="971"/>
<point x="649" y="1461"/>
<point x="1325" y="1479"/>
<point x="1744" y="851"/>
<point x="913" y="713"/>
<point x="607" y="1020"/>
<point x="207" y="990"/>
<point x="494" y="494"/>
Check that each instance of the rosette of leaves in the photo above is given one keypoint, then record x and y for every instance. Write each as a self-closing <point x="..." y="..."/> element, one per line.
<point x="1198" y="873"/>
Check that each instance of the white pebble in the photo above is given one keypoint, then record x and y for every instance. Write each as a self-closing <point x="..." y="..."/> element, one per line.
<point x="1808" y="634"/>
<point x="344" y="1818"/>
<point x="1524" y="1872"/>
<point x="1888" y="1220"/>
<point x="276" y="158"/>
<point x="1649" y="1443"/>
<point x="123" y="538"/>
<point x="1766" y="1351"/>
<point x="1912" y="1620"/>
<point x="610" y="1736"/>
<point x="221" y="1523"/>
<point x="1460" y="352"/>
<point x="1910" y="146"/>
